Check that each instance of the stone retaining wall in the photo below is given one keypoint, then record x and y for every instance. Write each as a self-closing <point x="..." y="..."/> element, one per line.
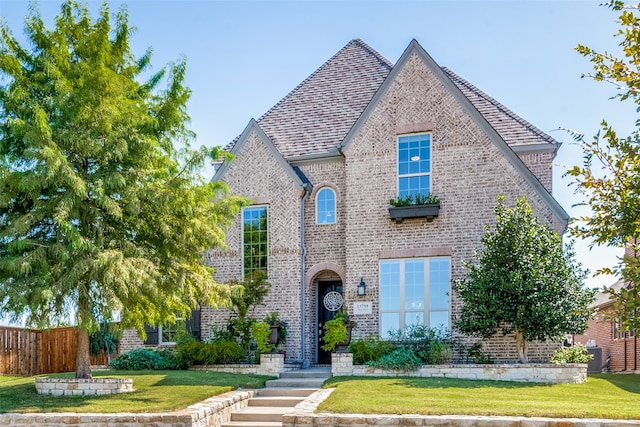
<point x="342" y="365"/>
<point x="303" y="416"/>
<point x="211" y="412"/>
<point x="83" y="387"/>
<point x="270" y="364"/>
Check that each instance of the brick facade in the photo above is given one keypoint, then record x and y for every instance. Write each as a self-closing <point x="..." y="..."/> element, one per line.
<point x="468" y="174"/>
<point x="339" y="129"/>
<point x="621" y="348"/>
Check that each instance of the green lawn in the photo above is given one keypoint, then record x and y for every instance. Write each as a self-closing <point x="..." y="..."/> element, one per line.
<point x="156" y="391"/>
<point x="602" y="396"/>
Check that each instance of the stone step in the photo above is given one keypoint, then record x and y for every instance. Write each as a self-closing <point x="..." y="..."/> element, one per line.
<point x="260" y="413"/>
<point x="307" y="373"/>
<point x="285" y="391"/>
<point x="281" y="401"/>
<point x="253" y="424"/>
<point x="296" y="382"/>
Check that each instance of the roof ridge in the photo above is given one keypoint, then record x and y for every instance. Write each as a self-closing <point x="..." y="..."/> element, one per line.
<point x="528" y="125"/>
<point x="356" y="42"/>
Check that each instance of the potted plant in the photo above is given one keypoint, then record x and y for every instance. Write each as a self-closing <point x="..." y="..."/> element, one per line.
<point x="414" y="206"/>
<point x="337" y="332"/>
<point x="278" y="332"/>
<point x="261" y="332"/>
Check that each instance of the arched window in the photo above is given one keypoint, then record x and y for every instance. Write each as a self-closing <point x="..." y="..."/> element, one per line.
<point x="326" y="206"/>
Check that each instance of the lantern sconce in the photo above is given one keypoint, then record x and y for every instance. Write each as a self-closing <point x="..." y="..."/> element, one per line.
<point x="362" y="288"/>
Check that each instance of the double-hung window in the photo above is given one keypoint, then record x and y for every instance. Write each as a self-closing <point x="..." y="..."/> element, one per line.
<point x="414" y="164"/>
<point x="414" y="291"/>
<point x="255" y="243"/>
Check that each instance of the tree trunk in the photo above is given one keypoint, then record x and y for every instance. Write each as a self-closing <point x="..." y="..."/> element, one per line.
<point x="523" y="345"/>
<point x="83" y="360"/>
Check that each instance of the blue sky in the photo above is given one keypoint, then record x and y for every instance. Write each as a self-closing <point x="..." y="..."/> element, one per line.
<point x="243" y="57"/>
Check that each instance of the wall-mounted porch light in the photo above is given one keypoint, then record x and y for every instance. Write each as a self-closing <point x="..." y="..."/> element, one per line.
<point x="362" y="288"/>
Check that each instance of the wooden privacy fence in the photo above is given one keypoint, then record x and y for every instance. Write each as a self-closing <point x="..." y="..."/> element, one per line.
<point x="33" y="352"/>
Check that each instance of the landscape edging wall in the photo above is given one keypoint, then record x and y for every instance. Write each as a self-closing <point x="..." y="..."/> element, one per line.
<point x="342" y="365"/>
<point x="214" y="411"/>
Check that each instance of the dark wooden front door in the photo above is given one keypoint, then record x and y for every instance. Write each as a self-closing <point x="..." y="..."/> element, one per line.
<point x="327" y="307"/>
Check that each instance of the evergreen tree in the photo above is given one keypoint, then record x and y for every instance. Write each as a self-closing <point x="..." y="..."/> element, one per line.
<point x="99" y="211"/>
<point x="522" y="281"/>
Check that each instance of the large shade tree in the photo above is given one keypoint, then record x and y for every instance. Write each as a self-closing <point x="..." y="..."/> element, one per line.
<point x="522" y="281"/>
<point x="102" y="208"/>
<point x="609" y="177"/>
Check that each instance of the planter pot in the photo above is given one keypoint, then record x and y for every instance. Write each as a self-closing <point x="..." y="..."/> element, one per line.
<point x="343" y="346"/>
<point x="275" y="337"/>
<point x="400" y="213"/>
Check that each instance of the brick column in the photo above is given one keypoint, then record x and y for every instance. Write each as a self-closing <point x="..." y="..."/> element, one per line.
<point x="341" y="364"/>
<point x="271" y="364"/>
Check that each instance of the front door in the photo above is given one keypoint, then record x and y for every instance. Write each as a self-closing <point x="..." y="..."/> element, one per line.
<point x="329" y="302"/>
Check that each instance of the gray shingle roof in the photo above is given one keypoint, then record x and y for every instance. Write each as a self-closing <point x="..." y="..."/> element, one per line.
<point x="316" y="116"/>
<point x="511" y="127"/>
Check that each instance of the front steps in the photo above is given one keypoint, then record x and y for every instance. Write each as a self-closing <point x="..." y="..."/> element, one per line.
<point x="279" y="397"/>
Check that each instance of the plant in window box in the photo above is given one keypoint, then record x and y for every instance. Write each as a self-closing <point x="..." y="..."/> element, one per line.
<point x="337" y="332"/>
<point x="414" y="206"/>
<point x="278" y="334"/>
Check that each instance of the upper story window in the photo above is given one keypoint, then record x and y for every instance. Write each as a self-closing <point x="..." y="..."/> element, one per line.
<point x="414" y="164"/>
<point x="414" y="291"/>
<point x="254" y="235"/>
<point x="326" y="206"/>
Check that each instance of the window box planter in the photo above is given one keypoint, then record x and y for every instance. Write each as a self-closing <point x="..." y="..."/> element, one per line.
<point x="428" y="211"/>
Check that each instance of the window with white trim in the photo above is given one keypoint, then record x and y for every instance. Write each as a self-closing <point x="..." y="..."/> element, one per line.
<point x="254" y="234"/>
<point x="326" y="206"/>
<point x="414" y="164"/>
<point x="414" y="291"/>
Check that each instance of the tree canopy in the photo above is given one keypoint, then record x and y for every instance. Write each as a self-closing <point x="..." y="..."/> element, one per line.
<point x="522" y="281"/>
<point x="609" y="177"/>
<point x="102" y="208"/>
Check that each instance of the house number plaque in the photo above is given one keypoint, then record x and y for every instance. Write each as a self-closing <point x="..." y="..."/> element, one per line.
<point x="333" y="301"/>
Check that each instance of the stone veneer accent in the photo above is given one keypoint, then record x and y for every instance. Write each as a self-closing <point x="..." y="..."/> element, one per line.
<point x="211" y="412"/>
<point x="304" y="415"/>
<point x="342" y="365"/>
<point x="270" y="364"/>
<point x="83" y="387"/>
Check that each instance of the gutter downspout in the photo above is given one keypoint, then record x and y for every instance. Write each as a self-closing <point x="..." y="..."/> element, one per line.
<point x="305" y="363"/>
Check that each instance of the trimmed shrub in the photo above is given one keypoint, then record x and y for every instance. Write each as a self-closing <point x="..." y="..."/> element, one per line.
<point x="369" y="348"/>
<point x="575" y="354"/>
<point x="144" y="358"/>
<point x="401" y="359"/>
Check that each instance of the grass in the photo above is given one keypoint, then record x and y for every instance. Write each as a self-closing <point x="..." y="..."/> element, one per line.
<point x="156" y="391"/>
<point x="602" y="396"/>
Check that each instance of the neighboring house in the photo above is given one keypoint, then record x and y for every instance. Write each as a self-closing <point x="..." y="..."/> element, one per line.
<point x="320" y="168"/>
<point x="619" y="350"/>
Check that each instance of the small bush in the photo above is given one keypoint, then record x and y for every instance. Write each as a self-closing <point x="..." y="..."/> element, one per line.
<point x="369" y="348"/>
<point x="439" y="352"/>
<point x="475" y="351"/>
<point x="401" y="359"/>
<point x="220" y="352"/>
<point x="188" y="354"/>
<point x="144" y="358"/>
<point x="419" y="339"/>
<point x="575" y="354"/>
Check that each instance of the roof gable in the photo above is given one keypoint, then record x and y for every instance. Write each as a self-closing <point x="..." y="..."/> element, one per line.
<point x="315" y="116"/>
<point x="296" y="176"/>
<point x="415" y="48"/>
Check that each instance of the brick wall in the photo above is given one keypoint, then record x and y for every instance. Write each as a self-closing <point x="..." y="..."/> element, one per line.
<point x="468" y="175"/>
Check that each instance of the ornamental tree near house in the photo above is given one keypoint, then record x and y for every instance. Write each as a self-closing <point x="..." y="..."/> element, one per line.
<point x="99" y="211"/>
<point x="609" y="177"/>
<point x="522" y="282"/>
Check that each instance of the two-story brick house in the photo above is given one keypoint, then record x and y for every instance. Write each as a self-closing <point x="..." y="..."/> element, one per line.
<point x="321" y="167"/>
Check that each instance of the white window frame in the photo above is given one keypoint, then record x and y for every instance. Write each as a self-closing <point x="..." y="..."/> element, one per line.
<point x="332" y="191"/>
<point x="400" y="176"/>
<point x="426" y="310"/>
